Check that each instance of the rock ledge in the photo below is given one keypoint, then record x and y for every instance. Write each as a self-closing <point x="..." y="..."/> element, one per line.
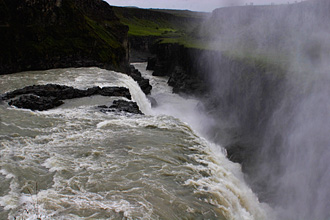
<point x="44" y="97"/>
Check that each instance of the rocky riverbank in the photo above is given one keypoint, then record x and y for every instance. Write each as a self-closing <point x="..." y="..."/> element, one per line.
<point x="44" y="97"/>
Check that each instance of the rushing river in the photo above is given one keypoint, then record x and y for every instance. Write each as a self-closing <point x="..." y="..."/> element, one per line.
<point x="75" y="162"/>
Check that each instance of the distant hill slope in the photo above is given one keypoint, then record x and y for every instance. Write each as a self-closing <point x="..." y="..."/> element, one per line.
<point x="277" y="29"/>
<point x="149" y="26"/>
<point x="54" y="34"/>
<point x="158" y="22"/>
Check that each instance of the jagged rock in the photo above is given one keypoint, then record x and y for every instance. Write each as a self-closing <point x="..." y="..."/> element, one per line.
<point x="114" y="91"/>
<point x="161" y="68"/>
<point x="67" y="92"/>
<point x="143" y="83"/>
<point x="49" y="90"/>
<point x="145" y="86"/>
<point x="35" y="102"/>
<point x="151" y="63"/>
<point x="43" y="97"/>
<point x="38" y="34"/>
<point x="122" y="105"/>
<point x="183" y="66"/>
<point x="126" y="106"/>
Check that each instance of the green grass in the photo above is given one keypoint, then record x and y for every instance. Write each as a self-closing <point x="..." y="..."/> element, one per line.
<point x="187" y="42"/>
<point x="178" y="27"/>
<point x="144" y="27"/>
<point x="145" y="30"/>
<point x="168" y="25"/>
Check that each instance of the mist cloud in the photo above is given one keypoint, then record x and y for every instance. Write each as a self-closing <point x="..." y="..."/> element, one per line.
<point x="280" y="114"/>
<point x="194" y="5"/>
<point x="226" y="3"/>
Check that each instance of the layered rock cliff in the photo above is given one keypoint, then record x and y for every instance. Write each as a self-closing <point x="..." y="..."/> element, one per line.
<point x="37" y="34"/>
<point x="148" y="26"/>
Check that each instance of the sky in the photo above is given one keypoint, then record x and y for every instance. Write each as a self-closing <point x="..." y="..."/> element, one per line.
<point x="194" y="5"/>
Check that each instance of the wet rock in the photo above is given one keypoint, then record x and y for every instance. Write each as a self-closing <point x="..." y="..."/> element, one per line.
<point x="145" y="86"/>
<point x="160" y="70"/>
<point x="34" y="102"/>
<point x="43" y="97"/>
<point x="1" y="100"/>
<point x="123" y="106"/>
<point x="143" y="83"/>
<point x="152" y="61"/>
<point x="114" y="91"/>
<point x="184" y="66"/>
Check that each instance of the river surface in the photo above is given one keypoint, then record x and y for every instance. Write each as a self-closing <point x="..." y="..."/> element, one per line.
<point x="75" y="162"/>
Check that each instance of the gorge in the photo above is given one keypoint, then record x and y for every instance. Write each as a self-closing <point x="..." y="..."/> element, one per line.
<point x="253" y="80"/>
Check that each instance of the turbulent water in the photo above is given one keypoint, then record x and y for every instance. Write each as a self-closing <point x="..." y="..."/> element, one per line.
<point x="74" y="162"/>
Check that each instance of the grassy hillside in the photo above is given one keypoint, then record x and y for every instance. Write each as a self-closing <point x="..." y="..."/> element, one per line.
<point x="168" y="26"/>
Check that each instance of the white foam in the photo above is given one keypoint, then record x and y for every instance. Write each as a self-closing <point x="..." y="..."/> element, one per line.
<point x="226" y="183"/>
<point x="75" y="127"/>
<point x="159" y="121"/>
<point x="137" y="94"/>
<point x="10" y="200"/>
<point x="231" y="195"/>
<point x="7" y="174"/>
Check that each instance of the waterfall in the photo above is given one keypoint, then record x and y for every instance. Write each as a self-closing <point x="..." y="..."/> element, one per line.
<point x="77" y="162"/>
<point x="269" y="95"/>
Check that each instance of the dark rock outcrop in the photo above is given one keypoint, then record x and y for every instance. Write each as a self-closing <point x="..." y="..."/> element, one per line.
<point x="152" y="61"/>
<point x="37" y="35"/>
<point x="140" y="47"/>
<point x="44" y="97"/>
<point x="122" y="106"/>
<point x="67" y="92"/>
<point x="182" y="65"/>
<point x="143" y="83"/>
<point x="35" y="102"/>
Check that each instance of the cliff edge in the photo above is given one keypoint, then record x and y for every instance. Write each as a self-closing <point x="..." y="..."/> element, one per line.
<point x="37" y="34"/>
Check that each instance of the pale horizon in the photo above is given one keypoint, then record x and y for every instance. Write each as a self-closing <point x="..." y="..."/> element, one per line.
<point x="194" y="5"/>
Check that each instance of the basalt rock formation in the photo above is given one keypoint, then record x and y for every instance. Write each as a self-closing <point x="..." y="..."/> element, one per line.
<point x="122" y="106"/>
<point x="143" y="83"/>
<point x="37" y="34"/>
<point x="183" y="65"/>
<point x="44" y="97"/>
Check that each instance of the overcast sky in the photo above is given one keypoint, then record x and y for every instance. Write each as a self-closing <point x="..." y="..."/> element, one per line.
<point x="194" y="5"/>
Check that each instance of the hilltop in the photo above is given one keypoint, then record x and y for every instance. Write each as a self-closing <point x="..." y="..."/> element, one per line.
<point x="150" y="27"/>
